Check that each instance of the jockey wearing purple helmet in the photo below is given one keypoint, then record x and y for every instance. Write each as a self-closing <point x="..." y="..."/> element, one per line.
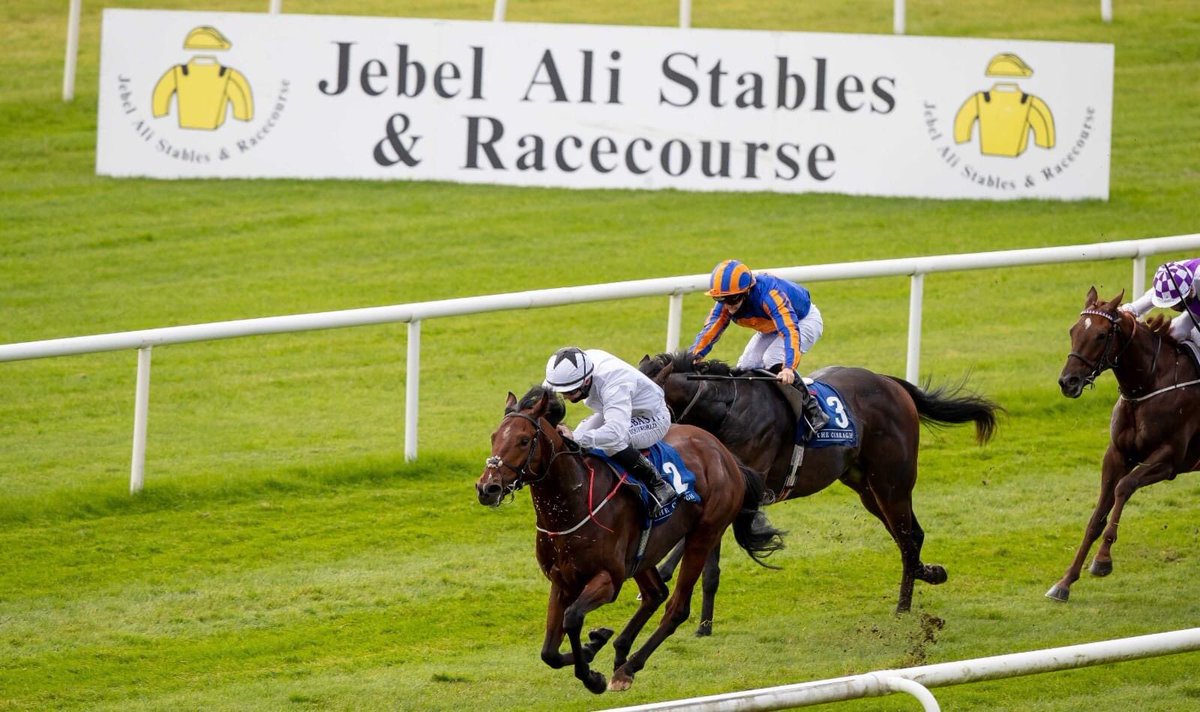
<point x="1174" y="288"/>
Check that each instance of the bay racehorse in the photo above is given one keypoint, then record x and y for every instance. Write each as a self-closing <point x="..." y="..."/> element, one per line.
<point x="1155" y="428"/>
<point x="590" y="529"/>
<point x="754" y="420"/>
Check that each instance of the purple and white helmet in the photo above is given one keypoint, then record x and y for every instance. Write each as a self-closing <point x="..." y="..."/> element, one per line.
<point x="1172" y="283"/>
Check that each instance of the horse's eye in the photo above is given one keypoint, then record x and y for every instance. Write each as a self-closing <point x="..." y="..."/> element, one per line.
<point x="524" y="441"/>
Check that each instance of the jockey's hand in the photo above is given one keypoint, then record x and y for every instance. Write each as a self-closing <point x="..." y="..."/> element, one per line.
<point x="786" y="375"/>
<point x="565" y="432"/>
<point x="696" y="358"/>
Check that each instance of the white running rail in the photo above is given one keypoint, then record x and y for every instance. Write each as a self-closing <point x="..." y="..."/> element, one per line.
<point x="916" y="680"/>
<point x="673" y="287"/>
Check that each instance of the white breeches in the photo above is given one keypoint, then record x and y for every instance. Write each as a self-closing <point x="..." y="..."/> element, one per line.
<point x="766" y="350"/>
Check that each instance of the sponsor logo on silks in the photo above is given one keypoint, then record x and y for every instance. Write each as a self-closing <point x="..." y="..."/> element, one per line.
<point x="203" y="88"/>
<point x="1003" y="121"/>
<point x="186" y="121"/>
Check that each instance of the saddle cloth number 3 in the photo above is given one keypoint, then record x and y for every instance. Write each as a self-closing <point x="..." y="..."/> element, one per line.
<point x="841" y="419"/>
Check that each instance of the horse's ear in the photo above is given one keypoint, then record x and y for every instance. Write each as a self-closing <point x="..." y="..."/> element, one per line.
<point x="510" y="405"/>
<point x="661" y="377"/>
<point x="645" y="360"/>
<point x="1091" y="297"/>
<point x="539" y="408"/>
<point x="1112" y="304"/>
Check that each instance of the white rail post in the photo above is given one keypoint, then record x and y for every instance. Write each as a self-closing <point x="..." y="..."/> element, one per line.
<point x="72" y="49"/>
<point x="498" y="10"/>
<point x="685" y="13"/>
<point x="915" y="299"/>
<point x="1139" y="278"/>
<point x="275" y="7"/>
<point x="412" y="390"/>
<point x="898" y="17"/>
<point x="141" y="408"/>
<point x="674" y="319"/>
<point x="1106" y="10"/>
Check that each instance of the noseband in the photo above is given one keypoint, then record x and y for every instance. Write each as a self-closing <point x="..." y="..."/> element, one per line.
<point x="1110" y="342"/>
<point x="525" y="475"/>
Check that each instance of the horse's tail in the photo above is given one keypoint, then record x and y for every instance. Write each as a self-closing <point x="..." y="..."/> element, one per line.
<point x="751" y="528"/>
<point x="945" y="406"/>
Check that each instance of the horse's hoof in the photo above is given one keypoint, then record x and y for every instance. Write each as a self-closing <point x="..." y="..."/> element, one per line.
<point x="1100" y="568"/>
<point x="595" y="682"/>
<point x="620" y="682"/>
<point x="1058" y="593"/>
<point x="935" y="574"/>
<point x="704" y="630"/>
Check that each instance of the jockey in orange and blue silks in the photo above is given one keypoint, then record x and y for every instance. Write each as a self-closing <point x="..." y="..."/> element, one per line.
<point x="782" y="312"/>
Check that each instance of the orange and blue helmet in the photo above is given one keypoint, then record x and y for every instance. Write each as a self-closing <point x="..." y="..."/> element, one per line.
<point x="730" y="277"/>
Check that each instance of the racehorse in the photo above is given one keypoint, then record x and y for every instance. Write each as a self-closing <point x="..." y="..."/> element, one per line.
<point x="755" y="421"/>
<point x="590" y="529"/>
<point x="1155" y="427"/>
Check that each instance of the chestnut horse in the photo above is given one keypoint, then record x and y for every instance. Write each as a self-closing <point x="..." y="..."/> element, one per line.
<point x="590" y="533"/>
<point x="1155" y="428"/>
<point x="753" y="419"/>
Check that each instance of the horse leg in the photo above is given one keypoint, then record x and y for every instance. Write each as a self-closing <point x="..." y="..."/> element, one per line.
<point x="1111" y="471"/>
<point x="667" y="568"/>
<point x="1150" y="473"/>
<point x="894" y="508"/>
<point x="554" y="634"/>
<point x="597" y="592"/>
<point x="711" y="581"/>
<point x="696" y="550"/>
<point x="652" y="594"/>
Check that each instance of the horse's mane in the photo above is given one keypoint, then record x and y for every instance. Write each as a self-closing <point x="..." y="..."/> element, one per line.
<point x="1160" y="325"/>
<point x="681" y="362"/>
<point x="555" y="411"/>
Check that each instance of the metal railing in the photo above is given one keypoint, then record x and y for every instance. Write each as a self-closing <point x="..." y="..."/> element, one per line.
<point x="916" y="681"/>
<point x="673" y="287"/>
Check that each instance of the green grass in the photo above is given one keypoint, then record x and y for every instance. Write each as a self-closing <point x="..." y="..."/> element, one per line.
<point x="283" y="555"/>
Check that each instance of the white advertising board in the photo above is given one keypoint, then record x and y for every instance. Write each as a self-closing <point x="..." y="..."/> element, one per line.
<point x="233" y="95"/>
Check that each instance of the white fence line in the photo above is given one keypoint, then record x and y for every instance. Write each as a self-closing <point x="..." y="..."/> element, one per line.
<point x="916" y="680"/>
<point x="674" y="287"/>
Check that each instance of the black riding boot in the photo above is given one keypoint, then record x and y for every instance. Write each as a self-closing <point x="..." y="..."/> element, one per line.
<point x="637" y="465"/>
<point x="812" y="409"/>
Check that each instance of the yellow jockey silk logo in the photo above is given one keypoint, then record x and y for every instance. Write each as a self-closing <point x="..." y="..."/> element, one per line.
<point x="1006" y="115"/>
<point x="204" y="90"/>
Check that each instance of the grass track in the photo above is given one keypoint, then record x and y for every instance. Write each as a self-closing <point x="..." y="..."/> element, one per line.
<point x="284" y="557"/>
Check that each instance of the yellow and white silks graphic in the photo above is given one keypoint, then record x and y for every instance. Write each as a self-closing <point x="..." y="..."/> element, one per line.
<point x="203" y="89"/>
<point x="1005" y="114"/>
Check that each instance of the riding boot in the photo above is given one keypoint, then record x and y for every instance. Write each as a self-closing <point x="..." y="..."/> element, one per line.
<point x="639" y="467"/>
<point x="812" y="409"/>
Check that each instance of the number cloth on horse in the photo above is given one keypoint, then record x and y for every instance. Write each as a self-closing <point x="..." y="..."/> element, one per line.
<point x="667" y="461"/>
<point x="840" y="430"/>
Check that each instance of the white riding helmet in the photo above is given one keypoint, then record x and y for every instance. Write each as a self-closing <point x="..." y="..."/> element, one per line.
<point x="567" y="369"/>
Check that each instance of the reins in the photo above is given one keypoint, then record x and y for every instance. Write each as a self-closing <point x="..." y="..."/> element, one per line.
<point x="525" y="474"/>
<point x="1113" y="363"/>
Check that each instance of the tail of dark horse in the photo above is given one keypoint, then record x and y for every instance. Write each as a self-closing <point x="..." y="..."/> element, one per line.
<point x="945" y="406"/>
<point x="751" y="529"/>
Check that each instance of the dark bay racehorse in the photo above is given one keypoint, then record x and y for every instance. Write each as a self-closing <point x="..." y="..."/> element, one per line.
<point x="754" y="420"/>
<point x="1155" y="426"/>
<point x="590" y="529"/>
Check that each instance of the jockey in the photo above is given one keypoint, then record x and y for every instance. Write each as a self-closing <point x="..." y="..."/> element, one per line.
<point x="629" y="412"/>
<point x="782" y="312"/>
<point x="1174" y="288"/>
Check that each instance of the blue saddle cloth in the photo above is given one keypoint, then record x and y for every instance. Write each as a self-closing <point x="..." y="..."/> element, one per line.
<point x="667" y="461"/>
<point x="840" y="430"/>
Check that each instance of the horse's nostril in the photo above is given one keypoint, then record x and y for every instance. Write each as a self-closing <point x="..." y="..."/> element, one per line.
<point x="492" y="489"/>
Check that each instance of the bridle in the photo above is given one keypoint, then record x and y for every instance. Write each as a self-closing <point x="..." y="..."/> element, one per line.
<point x="525" y="473"/>
<point x="1110" y="342"/>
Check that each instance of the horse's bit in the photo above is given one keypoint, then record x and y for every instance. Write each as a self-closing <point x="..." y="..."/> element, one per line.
<point x="525" y="475"/>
